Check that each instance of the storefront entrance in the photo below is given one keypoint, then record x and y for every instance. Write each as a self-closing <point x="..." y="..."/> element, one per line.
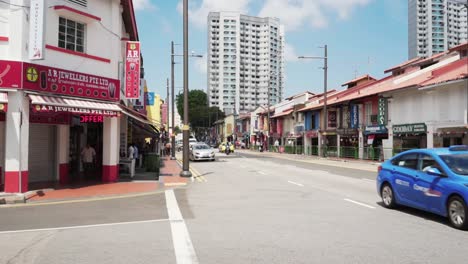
<point x="42" y="160"/>
<point x="80" y="136"/>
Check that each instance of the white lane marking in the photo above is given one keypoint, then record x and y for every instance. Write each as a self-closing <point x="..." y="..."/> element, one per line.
<point x="183" y="247"/>
<point x="358" y="203"/>
<point x="82" y="226"/>
<point x="295" y="183"/>
<point x="369" y="180"/>
<point x="261" y="172"/>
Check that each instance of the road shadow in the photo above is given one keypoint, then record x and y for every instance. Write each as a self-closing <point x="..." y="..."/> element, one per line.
<point x="421" y="214"/>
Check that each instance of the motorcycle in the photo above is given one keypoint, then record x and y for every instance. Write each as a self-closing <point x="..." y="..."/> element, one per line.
<point x="228" y="150"/>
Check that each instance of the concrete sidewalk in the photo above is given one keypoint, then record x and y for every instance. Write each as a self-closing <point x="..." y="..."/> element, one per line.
<point x="142" y="183"/>
<point x="336" y="162"/>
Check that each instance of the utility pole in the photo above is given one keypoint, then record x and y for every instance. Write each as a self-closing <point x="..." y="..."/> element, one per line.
<point x="167" y="106"/>
<point x="268" y="115"/>
<point x="172" y="103"/>
<point x="186" y="129"/>
<point x="325" y="78"/>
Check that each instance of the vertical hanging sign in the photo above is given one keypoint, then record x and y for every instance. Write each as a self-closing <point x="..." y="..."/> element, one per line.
<point x="132" y="70"/>
<point x="36" y="30"/>
<point x="382" y="114"/>
<point x="354" y="116"/>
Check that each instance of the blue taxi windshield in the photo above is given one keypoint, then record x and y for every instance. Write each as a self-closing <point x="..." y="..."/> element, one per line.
<point x="458" y="163"/>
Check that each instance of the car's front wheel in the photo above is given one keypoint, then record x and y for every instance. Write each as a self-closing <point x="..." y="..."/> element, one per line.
<point x="388" y="197"/>
<point x="457" y="213"/>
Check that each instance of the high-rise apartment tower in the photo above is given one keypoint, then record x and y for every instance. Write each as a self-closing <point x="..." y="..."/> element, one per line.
<point x="435" y="26"/>
<point x="245" y="61"/>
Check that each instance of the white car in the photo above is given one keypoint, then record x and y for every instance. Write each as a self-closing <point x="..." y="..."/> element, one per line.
<point x="201" y="152"/>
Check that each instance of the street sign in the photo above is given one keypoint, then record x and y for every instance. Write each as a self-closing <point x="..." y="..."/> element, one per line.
<point x="382" y="114"/>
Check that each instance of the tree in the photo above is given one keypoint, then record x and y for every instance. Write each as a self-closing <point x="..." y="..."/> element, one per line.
<point x="200" y="114"/>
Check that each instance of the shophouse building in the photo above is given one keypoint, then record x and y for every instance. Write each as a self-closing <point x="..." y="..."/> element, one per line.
<point x="61" y="73"/>
<point x="420" y="103"/>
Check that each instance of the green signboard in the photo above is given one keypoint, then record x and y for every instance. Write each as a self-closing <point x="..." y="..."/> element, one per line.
<point x="410" y="128"/>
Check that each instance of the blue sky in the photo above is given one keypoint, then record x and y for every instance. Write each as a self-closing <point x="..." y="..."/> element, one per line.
<point x="363" y="36"/>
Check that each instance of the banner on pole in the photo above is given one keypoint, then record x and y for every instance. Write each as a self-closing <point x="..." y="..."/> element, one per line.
<point x="132" y="70"/>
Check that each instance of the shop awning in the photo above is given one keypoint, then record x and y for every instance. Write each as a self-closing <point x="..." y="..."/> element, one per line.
<point x="285" y="113"/>
<point x="140" y="121"/>
<point x="3" y="102"/>
<point x="57" y="104"/>
<point x="135" y="115"/>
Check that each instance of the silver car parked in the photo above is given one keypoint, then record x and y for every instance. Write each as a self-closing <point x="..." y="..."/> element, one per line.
<point x="201" y="152"/>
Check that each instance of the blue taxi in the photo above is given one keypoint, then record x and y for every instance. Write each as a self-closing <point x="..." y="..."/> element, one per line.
<point x="433" y="180"/>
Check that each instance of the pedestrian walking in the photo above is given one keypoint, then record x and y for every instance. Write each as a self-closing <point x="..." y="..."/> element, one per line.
<point x="131" y="156"/>
<point x="276" y="145"/>
<point x="136" y="155"/>
<point x="168" y="148"/>
<point x="88" y="157"/>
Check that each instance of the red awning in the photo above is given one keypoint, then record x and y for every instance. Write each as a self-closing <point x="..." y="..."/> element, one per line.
<point x="285" y="113"/>
<point x="56" y="104"/>
<point x="3" y="102"/>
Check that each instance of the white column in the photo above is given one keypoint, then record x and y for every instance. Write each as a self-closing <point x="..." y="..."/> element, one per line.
<point x="17" y="136"/>
<point x="110" y="149"/>
<point x="338" y="144"/>
<point x="320" y="144"/>
<point x="63" y="153"/>
<point x="361" y="144"/>
<point x="430" y="136"/>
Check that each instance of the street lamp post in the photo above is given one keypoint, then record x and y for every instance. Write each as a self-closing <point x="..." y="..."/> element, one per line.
<point x="325" y="78"/>
<point x="167" y="106"/>
<point x="172" y="103"/>
<point x="185" y="129"/>
<point x="173" y="55"/>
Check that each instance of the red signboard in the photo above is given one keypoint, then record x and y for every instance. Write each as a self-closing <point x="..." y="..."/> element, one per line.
<point x="91" y="119"/>
<point x="312" y="134"/>
<point x="132" y="70"/>
<point x="49" y="118"/>
<point x="70" y="109"/>
<point x="59" y="81"/>
<point x="10" y="74"/>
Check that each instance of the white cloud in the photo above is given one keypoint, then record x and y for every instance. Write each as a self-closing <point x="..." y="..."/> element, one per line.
<point x="198" y="12"/>
<point x="289" y="53"/>
<point x="295" y="13"/>
<point x="201" y="64"/>
<point x="143" y="5"/>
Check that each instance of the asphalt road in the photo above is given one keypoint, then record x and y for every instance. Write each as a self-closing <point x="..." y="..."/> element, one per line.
<point x="251" y="209"/>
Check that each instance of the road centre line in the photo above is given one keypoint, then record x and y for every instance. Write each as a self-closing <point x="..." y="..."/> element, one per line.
<point x="82" y="226"/>
<point x="295" y="183"/>
<point x="369" y="180"/>
<point x="358" y="203"/>
<point x="183" y="247"/>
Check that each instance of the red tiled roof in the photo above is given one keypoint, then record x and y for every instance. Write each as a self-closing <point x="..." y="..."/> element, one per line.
<point x="128" y="15"/>
<point x="451" y="71"/>
<point x="406" y="63"/>
<point x="454" y="71"/>
<point x="462" y="46"/>
<point x="360" y="78"/>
